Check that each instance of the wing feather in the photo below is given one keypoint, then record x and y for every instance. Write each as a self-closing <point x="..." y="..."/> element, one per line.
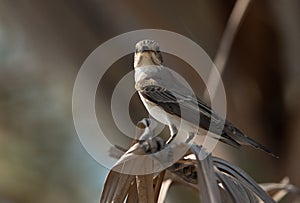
<point x="197" y="112"/>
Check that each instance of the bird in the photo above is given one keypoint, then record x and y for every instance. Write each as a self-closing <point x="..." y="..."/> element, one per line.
<point x="167" y="98"/>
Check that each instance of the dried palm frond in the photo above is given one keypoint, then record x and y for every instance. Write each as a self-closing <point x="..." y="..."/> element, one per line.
<point x="216" y="179"/>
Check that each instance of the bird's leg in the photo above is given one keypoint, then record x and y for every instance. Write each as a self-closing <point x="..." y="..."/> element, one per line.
<point x="144" y="126"/>
<point x="173" y="132"/>
<point x="147" y="142"/>
<point x="190" y="137"/>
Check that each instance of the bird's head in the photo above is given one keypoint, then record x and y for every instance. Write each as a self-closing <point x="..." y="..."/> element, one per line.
<point x="147" y="53"/>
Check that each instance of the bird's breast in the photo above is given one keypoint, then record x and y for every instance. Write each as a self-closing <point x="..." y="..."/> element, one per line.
<point x="155" y="111"/>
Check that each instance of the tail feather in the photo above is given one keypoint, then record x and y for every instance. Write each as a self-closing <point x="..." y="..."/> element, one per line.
<point x="232" y="133"/>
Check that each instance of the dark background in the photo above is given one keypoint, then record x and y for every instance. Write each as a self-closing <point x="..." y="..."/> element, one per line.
<point x="44" y="43"/>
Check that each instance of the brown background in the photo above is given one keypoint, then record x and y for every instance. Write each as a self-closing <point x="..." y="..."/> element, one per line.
<point x="44" y="43"/>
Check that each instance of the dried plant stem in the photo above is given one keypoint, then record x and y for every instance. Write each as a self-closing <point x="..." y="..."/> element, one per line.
<point x="145" y="188"/>
<point x="233" y="24"/>
<point x="164" y="190"/>
<point x="157" y="184"/>
<point x="208" y="187"/>
<point x="132" y="197"/>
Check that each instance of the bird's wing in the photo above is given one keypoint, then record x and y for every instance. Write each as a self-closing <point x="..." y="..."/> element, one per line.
<point x="184" y="106"/>
<point x="197" y="112"/>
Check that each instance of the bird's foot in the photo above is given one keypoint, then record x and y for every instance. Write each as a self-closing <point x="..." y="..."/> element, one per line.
<point x="190" y="137"/>
<point x="173" y="131"/>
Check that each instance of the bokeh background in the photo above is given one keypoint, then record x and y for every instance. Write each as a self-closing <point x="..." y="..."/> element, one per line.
<point x="44" y="43"/>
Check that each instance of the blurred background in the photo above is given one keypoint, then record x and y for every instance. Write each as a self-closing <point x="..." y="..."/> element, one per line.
<point x="44" y="43"/>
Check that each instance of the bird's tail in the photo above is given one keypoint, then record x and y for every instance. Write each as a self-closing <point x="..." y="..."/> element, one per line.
<point x="235" y="135"/>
